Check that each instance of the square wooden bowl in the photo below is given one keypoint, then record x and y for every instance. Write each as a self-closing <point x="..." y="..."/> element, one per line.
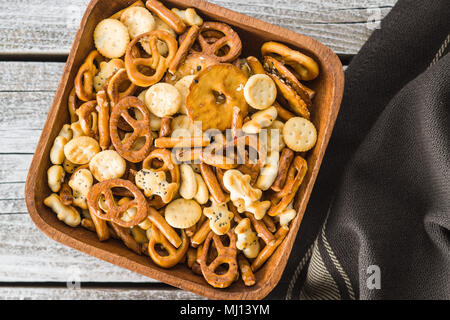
<point x="329" y="87"/>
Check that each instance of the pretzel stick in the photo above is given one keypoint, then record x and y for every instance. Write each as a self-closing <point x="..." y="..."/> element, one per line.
<point x="182" y="142"/>
<point x="212" y="183"/>
<point x="260" y="228"/>
<point x="191" y="231"/>
<point x="287" y="155"/>
<point x="268" y="221"/>
<point x="166" y="129"/>
<point x="166" y="15"/>
<point x="185" y="46"/>
<point x="284" y="114"/>
<point x="157" y="219"/>
<point x="247" y="275"/>
<point x="269" y="249"/>
<point x="103" y="120"/>
<point x="127" y="239"/>
<point x="191" y="155"/>
<point x="219" y="174"/>
<point x="237" y="123"/>
<point x="201" y="234"/>
<point x="101" y="228"/>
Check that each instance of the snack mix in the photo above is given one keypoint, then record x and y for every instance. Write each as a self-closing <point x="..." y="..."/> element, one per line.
<point x="180" y="147"/>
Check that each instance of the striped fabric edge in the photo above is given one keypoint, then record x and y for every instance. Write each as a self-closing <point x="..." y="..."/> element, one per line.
<point x="321" y="282"/>
<point x="441" y="51"/>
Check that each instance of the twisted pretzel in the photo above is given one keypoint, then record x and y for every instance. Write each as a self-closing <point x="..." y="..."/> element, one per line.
<point x="215" y="36"/>
<point x="135" y="64"/>
<point x="304" y="66"/>
<point x="225" y="255"/>
<point x="141" y="129"/>
<point x="296" y="173"/>
<point x="114" y="212"/>
<point x="88" y="118"/>
<point x="84" y="80"/>
<point x="168" y="164"/>
<point x="115" y="84"/>
<point x="172" y="255"/>
<point x="73" y="104"/>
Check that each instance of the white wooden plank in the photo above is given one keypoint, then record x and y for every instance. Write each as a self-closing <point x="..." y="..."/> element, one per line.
<point x="27" y="255"/>
<point x="14" y="167"/>
<point x="48" y="27"/>
<point x="51" y="293"/>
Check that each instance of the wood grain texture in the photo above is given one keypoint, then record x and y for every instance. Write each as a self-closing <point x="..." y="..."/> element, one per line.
<point x="27" y="255"/>
<point x="51" y="293"/>
<point x="49" y="27"/>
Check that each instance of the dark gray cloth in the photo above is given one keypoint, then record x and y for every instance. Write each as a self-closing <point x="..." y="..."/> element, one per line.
<point x="382" y="198"/>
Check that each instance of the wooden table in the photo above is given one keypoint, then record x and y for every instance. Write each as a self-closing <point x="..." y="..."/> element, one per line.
<point x="35" y="39"/>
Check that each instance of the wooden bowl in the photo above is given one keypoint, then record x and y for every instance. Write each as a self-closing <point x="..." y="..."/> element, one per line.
<point x="329" y="87"/>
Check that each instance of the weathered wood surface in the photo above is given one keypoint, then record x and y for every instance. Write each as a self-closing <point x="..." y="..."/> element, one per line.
<point x="47" y="27"/>
<point x="52" y="293"/>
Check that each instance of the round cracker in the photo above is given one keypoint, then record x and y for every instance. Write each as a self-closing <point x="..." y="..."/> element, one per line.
<point x="107" y="165"/>
<point x="111" y="38"/>
<point x="138" y="21"/>
<point x="183" y="213"/>
<point x="260" y="91"/>
<point x="163" y="99"/>
<point x="299" y="134"/>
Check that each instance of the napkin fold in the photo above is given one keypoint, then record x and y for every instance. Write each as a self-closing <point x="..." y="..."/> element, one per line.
<point x="377" y="224"/>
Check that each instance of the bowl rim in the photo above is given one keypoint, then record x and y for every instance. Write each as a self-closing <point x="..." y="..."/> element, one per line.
<point x="336" y="72"/>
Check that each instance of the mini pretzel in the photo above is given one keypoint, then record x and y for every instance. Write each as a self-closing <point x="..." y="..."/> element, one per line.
<point x="104" y="138"/>
<point x="212" y="183"/>
<point x="165" y="129"/>
<point x="141" y="129"/>
<point x="200" y="235"/>
<point x="225" y="255"/>
<point x="289" y="93"/>
<point x="260" y="228"/>
<point x="184" y="48"/>
<point x="182" y="142"/>
<point x="173" y="256"/>
<point x="73" y="104"/>
<point x="114" y="211"/>
<point x="166" y="15"/>
<point x="255" y="66"/>
<point x="88" y="118"/>
<point x="274" y="66"/>
<point x="157" y="62"/>
<point x="269" y="249"/>
<point x="226" y="37"/>
<point x="306" y="67"/>
<point x="294" y="179"/>
<point x="169" y="164"/>
<point x="283" y="114"/>
<point x="287" y="155"/>
<point x="247" y="275"/>
<point x="84" y="80"/>
<point x="127" y="238"/>
<point x="115" y="84"/>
